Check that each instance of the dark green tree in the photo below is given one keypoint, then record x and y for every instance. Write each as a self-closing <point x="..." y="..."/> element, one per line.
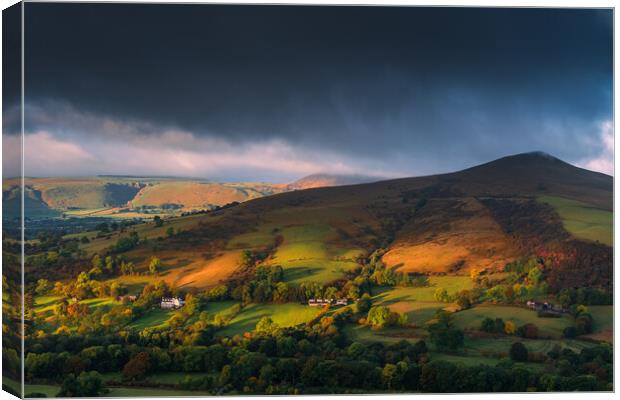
<point x="518" y="352"/>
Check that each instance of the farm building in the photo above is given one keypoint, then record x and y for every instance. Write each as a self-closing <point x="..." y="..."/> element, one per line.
<point x="545" y="307"/>
<point x="324" y="302"/>
<point x="171" y="302"/>
<point x="128" y="297"/>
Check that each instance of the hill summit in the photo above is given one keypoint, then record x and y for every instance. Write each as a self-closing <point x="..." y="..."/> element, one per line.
<point x="324" y="180"/>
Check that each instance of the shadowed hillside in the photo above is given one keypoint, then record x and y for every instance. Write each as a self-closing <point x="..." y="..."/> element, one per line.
<point x="480" y="218"/>
<point x="462" y="220"/>
<point x="131" y="197"/>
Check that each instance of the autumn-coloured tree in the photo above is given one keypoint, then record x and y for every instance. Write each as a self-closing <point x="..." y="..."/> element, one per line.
<point x="154" y="265"/>
<point x="509" y="327"/>
<point x="137" y="367"/>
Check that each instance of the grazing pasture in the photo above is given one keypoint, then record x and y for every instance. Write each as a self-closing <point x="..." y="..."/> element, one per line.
<point x="285" y="315"/>
<point x="583" y="220"/>
<point x="366" y="334"/>
<point x="547" y="327"/>
<point x="311" y="250"/>
<point x="152" y="319"/>
<point x="152" y="392"/>
<point x="419" y="303"/>
<point x="45" y="304"/>
<point x="173" y="378"/>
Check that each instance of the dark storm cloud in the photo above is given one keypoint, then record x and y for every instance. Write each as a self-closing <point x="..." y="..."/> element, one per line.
<point x="399" y="90"/>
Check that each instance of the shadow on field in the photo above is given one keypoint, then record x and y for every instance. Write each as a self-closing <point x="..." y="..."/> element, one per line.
<point x="295" y="273"/>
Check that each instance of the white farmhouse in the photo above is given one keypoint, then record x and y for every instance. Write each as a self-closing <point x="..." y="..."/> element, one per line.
<point x="168" y="303"/>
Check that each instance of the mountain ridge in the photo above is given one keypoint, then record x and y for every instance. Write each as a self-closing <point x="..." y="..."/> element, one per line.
<point x="516" y="171"/>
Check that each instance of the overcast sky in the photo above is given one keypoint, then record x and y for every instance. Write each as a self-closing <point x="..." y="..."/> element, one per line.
<point x="273" y="93"/>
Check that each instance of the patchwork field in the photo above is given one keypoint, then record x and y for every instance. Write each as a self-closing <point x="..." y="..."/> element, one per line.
<point x="547" y="327"/>
<point x="245" y="320"/>
<point x="441" y="225"/>
<point x="118" y="213"/>
<point x="45" y="304"/>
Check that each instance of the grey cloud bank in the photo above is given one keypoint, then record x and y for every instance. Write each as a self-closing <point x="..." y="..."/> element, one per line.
<point x="274" y="93"/>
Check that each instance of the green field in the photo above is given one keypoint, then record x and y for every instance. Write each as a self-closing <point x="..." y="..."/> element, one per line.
<point x="582" y="220"/>
<point x="308" y="256"/>
<point x="13" y="384"/>
<point x="603" y="317"/>
<point x="419" y="302"/>
<point x="45" y="303"/>
<point x="100" y="302"/>
<point x="365" y="334"/>
<point x="152" y="319"/>
<point x="173" y="378"/>
<point x="148" y="392"/>
<point x="285" y="315"/>
<point x="452" y="284"/>
<point x="549" y="327"/>
<point x="471" y="361"/>
<point x="52" y="391"/>
<point x="500" y="345"/>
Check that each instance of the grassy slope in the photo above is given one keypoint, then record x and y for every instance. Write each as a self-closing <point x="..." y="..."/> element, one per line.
<point x="308" y="256"/>
<point x="45" y="304"/>
<point x="152" y="319"/>
<point x="102" y="196"/>
<point x="145" y="230"/>
<point x="551" y="327"/>
<point x="88" y="193"/>
<point x="449" y="232"/>
<point x="285" y="315"/>
<point x="325" y="229"/>
<point x="189" y="194"/>
<point x="419" y="303"/>
<point x="582" y="220"/>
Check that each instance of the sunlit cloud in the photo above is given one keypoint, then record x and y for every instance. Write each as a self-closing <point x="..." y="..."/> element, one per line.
<point x="604" y="161"/>
<point x="43" y="152"/>
<point x="63" y="140"/>
<point x="87" y="144"/>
